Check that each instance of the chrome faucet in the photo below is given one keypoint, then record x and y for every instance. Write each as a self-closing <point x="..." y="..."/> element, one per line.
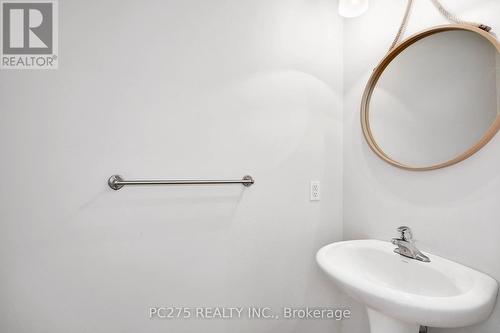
<point x="406" y="246"/>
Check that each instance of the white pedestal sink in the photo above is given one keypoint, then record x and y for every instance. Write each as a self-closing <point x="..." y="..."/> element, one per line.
<point x="401" y="294"/>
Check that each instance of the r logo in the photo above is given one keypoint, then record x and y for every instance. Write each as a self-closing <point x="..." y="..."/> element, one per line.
<point x="29" y="34"/>
<point x="27" y="28"/>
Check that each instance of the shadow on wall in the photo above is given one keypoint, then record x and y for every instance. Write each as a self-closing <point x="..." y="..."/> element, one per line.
<point x="268" y="113"/>
<point x="476" y="174"/>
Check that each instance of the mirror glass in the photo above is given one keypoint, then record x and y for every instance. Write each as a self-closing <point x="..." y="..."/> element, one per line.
<point x="436" y="99"/>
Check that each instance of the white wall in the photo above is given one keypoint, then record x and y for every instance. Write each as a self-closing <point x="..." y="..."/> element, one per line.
<point x="454" y="211"/>
<point x="172" y="89"/>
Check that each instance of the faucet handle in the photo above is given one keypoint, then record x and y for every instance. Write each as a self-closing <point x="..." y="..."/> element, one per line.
<point x="406" y="233"/>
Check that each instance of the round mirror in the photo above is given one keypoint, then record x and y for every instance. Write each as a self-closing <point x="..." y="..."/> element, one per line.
<point x="434" y="99"/>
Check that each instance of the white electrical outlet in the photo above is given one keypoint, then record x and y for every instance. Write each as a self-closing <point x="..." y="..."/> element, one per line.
<point x="315" y="190"/>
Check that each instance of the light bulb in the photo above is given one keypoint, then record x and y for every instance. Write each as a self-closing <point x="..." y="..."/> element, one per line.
<point x="352" y="8"/>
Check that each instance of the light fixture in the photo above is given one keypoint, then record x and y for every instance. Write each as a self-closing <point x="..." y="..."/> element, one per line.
<point x="352" y="8"/>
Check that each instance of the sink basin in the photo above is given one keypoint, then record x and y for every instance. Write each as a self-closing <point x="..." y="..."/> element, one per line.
<point x="401" y="293"/>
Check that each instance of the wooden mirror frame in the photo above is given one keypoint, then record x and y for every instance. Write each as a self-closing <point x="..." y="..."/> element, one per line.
<point x="377" y="73"/>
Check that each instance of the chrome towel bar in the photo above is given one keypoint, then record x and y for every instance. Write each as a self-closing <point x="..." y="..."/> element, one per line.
<point x="116" y="182"/>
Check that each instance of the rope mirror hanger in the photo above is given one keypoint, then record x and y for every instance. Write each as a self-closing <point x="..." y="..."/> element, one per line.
<point x="449" y="16"/>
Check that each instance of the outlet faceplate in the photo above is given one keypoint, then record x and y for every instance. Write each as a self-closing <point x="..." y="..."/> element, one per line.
<point x="315" y="192"/>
